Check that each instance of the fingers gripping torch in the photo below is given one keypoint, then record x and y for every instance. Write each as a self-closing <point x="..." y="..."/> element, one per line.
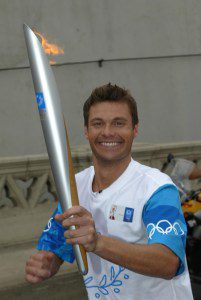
<point x="54" y="131"/>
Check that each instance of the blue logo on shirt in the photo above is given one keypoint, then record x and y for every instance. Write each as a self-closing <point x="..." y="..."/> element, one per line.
<point x="40" y="100"/>
<point x="128" y="215"/>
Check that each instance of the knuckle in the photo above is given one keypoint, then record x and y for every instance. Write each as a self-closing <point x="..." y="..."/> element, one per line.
<point x="78" y="207"/>
<point x="29" y="279"/>
<point x="74" y="210"/>
<point x="89" y="238"/>
<point x="65" y="223"/>
<point x="36" y="280"/>
<point x="78" y="222"/>
<point x="89" y="220"/>
<point x="41" y="273"/>
<point x="29" y="271"/>
<point x="70" y="233"/>
<point x="91" y="230"/>
<point x="72" y="221"/>
<point x="72" y="241"/>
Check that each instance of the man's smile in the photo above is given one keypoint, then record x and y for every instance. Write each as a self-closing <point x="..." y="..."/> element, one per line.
<point x="109" y="144"/>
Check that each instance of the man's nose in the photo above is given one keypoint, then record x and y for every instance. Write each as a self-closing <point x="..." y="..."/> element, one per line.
<point x="107" y="130"/>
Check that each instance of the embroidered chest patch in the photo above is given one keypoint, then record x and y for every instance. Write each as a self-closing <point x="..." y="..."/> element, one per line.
<point x="121" y="213"/>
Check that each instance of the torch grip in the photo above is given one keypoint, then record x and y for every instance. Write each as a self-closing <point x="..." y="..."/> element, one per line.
<point x="81" y="258"/>
<point x="79" y="250"/>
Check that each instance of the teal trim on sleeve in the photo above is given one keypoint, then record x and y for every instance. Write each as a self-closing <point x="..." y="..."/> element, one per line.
<point x="53" y="240"/>
<point x="165" y="223"/>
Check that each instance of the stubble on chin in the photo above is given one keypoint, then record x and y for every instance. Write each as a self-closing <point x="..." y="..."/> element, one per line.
<point x="108" y="160"/>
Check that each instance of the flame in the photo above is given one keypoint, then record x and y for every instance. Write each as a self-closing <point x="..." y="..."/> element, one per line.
<point x="49" y="48"/>
<point x="52" y="62"/>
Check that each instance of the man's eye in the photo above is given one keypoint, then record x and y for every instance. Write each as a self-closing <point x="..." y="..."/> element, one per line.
<point x="119" y="123"/>
<point x="97" y="124"/>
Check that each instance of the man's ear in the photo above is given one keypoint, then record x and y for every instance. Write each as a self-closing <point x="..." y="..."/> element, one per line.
<point x="86" y="132"/>
<point x="136" y="130"/>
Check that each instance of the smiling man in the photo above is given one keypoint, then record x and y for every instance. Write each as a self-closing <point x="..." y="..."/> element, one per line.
<point x="129" y="220"/>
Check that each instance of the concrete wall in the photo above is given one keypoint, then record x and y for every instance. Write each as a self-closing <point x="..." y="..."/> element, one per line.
<point x="152" y="48"/>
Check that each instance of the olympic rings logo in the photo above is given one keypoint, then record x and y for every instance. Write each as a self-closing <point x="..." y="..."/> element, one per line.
<point x="49" y="225"/>
<point x="176" y="228"/>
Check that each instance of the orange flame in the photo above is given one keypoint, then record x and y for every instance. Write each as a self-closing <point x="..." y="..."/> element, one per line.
<point x="49" y="48"/>
<point x="52" y="62"/>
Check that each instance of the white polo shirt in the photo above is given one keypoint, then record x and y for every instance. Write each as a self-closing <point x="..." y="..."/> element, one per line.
<point x="142" y="206"/>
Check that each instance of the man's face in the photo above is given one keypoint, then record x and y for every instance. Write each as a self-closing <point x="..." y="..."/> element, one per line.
<point x="110" y="131"/>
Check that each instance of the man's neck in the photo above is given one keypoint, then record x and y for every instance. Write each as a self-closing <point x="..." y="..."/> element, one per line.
<point x="106" y="174"/>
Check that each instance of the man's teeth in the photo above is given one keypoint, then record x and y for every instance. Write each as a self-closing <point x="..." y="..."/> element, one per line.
<point x="107" y="144"/>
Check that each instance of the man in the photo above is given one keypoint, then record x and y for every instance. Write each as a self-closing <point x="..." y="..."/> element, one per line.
<point x="129" y="220"/>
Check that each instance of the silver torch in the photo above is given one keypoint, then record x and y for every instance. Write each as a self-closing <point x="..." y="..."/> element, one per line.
<point x="54" y="131"/>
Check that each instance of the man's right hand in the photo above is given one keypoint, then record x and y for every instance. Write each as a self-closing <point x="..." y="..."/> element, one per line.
<point x="41" y="266"/>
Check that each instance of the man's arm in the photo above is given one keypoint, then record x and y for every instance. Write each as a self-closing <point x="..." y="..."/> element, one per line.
<point x="53" y="250"/>
<point x="151" y="260"/>
<point x="163" y="256"/>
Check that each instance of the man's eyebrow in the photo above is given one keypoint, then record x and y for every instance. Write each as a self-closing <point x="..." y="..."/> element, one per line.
<point x="115" y="119"/>
<point x="95" y="119"/>
<point x="120" y="118"/>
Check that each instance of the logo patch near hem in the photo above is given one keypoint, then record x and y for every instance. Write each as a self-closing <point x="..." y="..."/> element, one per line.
<point x="121" y="213"/>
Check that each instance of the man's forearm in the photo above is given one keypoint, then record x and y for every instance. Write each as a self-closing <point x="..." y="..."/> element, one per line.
<point x="151" y="260"/>
<point x="58" y="260"/>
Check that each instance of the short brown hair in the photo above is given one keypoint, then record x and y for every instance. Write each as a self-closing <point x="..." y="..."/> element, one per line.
<point x="110" y="93"/>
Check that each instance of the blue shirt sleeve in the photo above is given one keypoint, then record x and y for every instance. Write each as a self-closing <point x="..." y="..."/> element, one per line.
<point x="52" y="239"/>
<point x="165" y="223"/>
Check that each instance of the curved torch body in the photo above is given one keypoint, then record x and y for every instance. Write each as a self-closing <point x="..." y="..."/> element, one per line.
<point x="54" y="131"/>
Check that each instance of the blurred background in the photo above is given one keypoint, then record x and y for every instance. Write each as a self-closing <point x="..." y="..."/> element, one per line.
<point x="152" y="48"/>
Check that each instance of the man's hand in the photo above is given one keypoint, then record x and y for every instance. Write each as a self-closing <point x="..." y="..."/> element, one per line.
<point x="41" y="266"/>
<point x="85" y="232"/>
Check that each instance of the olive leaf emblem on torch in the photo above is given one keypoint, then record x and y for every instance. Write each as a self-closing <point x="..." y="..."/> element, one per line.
<point x="55" y="132"/>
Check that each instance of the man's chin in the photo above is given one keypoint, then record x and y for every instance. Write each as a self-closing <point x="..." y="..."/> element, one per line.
<point x="109" y="158"/>
<point x="110" y="155"/>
